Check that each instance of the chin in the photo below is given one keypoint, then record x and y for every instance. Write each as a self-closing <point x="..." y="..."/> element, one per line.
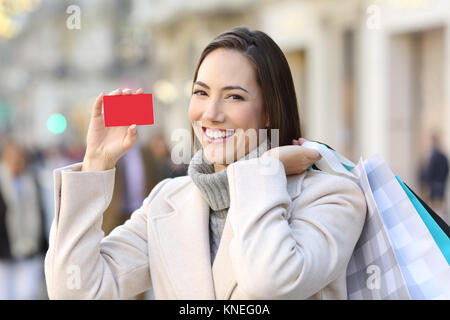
<point x="217" y="154"/>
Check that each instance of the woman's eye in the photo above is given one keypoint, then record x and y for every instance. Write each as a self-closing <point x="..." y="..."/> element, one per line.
<point x="235" y="97"/>
<point x="199" y="92"/>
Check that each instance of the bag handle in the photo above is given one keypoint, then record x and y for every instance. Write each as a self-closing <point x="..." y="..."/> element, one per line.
<point x="332" y="161"/>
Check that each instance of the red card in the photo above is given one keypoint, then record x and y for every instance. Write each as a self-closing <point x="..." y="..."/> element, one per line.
<point x="125" y="110"/>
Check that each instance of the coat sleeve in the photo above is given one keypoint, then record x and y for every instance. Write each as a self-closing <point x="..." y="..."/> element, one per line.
<point x="83" y="264"/>
<point x="285" y="248"/>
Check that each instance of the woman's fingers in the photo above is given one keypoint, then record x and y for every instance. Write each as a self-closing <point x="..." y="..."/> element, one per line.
<point x="312" y="155"/>
<point x="125" y="91"/>
<point x="116" y="92"/>
<point x="131" y="137"/>
<point x="299" y="141"/>
<point x="129" y="91"/>
<point x="307" y="155"/>
<point x="98" y="104"/>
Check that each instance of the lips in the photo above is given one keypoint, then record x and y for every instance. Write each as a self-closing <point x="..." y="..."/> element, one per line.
<point x="217" y="135"/>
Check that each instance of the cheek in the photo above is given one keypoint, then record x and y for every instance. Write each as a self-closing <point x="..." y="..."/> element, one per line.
<point x="246" y="118"/>
<point x="195" y="111"/>
<point x="195" y="115"/>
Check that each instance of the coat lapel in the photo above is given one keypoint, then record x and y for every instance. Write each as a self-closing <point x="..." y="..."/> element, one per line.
<point x="183" y="238"/>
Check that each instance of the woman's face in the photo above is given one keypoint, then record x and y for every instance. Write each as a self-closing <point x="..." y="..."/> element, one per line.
<point x="226" y="102"/>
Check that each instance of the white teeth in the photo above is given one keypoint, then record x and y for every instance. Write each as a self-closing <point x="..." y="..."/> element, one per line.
<point x="216" y="134"/>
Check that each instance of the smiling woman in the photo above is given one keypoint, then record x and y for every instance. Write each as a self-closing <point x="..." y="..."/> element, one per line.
<point x="229" y="229"/>
<point x="220" y="105"/>
<point x="250" y="74"/>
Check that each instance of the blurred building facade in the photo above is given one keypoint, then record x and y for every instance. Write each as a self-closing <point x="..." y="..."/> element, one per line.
<point x="371" y="76"/>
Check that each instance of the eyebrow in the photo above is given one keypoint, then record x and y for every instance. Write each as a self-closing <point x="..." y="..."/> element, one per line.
<point x="224" y="88"/>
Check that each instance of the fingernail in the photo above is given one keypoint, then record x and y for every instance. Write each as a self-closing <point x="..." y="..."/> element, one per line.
<point x="133" y="127"/>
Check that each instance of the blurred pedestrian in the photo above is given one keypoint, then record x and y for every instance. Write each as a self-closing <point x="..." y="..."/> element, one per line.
<point x="21" y="268"/>
<point x="52" y="157"/>
<point x="158" y="165"/>
<point x="134" y="179"/>
<point x="436" y="175"/>
<point x="128" y="191"/>
<point x="114" y="214"/>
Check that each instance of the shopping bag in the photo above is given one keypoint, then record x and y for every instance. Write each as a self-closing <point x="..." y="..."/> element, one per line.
<point x="396" y="257"/>
<point x="440" y="237"/>
<point x="441" y="223"/>
<point x="373" y="272"/>
<point x="424" y="268"/>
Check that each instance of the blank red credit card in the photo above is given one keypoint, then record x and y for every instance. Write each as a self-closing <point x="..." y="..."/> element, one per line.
<point x="125" y="110"/>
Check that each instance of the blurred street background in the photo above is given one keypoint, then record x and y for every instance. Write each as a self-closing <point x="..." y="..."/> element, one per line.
<point x="371" y="77"/>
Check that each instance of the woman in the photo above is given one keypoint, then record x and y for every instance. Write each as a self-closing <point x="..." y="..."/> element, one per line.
<point x="227" y="230"/>
<point x="21" y="234"/>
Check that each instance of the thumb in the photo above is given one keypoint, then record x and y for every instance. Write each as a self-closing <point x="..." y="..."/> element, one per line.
<point x="313" y="155"/>
<point x="131" y="137"/>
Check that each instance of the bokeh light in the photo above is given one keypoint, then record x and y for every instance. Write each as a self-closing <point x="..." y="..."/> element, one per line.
<point x="56" y="123"/>
<point x="10" y="10"/>
<point x="165" y="91"/>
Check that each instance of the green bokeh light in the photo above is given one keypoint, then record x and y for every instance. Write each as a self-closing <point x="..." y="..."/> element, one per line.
<point x="56" y="123"/>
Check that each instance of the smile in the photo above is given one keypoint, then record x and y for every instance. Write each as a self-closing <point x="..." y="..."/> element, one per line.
<point x="213" y="135"/>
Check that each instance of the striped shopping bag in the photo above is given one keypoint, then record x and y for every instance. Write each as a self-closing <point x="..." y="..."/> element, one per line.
<point x="401" y="253"/>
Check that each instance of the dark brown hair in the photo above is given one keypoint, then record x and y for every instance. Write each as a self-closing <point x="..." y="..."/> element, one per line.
<point x="273" y="76"/>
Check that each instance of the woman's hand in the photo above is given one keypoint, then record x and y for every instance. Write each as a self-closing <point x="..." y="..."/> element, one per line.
<point x="296" y="159"/>
<point x="106" y="145"/>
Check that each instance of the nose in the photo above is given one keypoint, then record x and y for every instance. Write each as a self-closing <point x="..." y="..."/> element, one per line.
<point x="214" y="112"/>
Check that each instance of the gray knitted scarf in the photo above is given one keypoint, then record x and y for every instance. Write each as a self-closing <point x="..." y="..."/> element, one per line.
<point x="214" y="188"/>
